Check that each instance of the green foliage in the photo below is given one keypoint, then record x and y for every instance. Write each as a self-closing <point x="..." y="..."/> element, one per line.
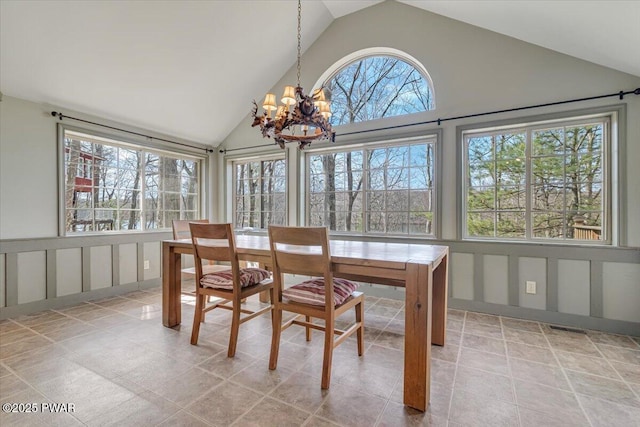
<point x="565" y="166"/>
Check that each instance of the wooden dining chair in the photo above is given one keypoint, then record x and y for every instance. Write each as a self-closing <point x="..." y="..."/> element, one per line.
<point x="216" y="242"/>
<point x="181" y="231"/>
<point x="305" y="250"/>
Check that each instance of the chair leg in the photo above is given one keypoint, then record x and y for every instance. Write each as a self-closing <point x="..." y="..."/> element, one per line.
<point x="328" y="353"/>
<point x="206" y="299"/>
<point x="275" y="338"/>
<point x="272" y="299"/>
<point x="197" y="318"/>
<point x="235" y="327"/>
<point x="308" y="319"/>
<point x="360" y="331"/>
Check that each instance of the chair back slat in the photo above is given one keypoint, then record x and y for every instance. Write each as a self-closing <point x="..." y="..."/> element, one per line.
<point x="300" y="250"/>
<point x="299" y="236"/>
<point x="308" y="265"/>
<point x="181" y="227"/>
<point x="214" y="242"/>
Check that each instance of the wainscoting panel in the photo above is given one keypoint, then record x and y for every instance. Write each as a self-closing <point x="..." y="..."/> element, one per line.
<point x="3" y="280"/>
<point x="496" y="279"/>
<point x="68" y="271"/>
<point x="462" y="272"/>
<point x="573" y="295"/>
<point x="101" y="267"/>
<point x="621" y="290"/>
<point x="128" y="262"/>
<point x="152" y="253"/>
<point x="31" y="276"/>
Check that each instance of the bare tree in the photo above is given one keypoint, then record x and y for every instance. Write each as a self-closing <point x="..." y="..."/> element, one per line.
<point x="368" y="89"/>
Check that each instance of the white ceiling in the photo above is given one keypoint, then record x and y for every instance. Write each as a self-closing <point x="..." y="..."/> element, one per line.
<point x="190" y="69"/>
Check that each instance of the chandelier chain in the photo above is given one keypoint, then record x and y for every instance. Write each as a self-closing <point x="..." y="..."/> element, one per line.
<point x="299" y="37"/>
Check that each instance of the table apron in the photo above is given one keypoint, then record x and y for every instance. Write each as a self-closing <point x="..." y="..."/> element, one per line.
<point x="359" y="273"/>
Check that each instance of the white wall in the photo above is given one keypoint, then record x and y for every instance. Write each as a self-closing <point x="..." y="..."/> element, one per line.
<point x="28" y="171"/>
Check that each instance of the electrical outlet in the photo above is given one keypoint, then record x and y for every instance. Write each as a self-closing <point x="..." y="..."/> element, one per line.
<point x="531" y="287"/>
<point x="146" y="264"/>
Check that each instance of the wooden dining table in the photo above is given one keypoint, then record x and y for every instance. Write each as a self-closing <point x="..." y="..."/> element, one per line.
<point x="420" y="268"/>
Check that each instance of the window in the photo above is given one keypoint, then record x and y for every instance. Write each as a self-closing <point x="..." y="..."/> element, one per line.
<point x="386" y="189"/>
<point x="111" y="185"/>
<point x="546" y="181"/>
<point x="376" y="87"/>
<point x="260" y="193"/>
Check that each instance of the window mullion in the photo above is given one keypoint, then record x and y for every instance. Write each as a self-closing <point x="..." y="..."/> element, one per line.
<point x="495" y="187"/>
<point x="143" y="189"/>
<point x="365" y="191"/>
<point x="565" y="213"/>
<point x="117" y="190"/>
<point x="261" y="194"/>
<point x="528" y="228"/>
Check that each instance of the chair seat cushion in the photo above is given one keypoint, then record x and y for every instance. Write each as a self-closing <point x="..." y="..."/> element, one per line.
<point x="224" y="279"/>
<point x="313" y="292"/>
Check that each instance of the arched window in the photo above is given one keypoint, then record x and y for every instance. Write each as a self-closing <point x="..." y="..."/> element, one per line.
<point x="378" y="86"/>
<point x="385" y="185"/>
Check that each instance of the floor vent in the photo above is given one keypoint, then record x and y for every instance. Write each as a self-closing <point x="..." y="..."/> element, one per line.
<point x="562" y="328"/>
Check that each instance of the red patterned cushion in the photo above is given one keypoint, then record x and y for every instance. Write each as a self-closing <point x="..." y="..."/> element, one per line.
<point x="224" y="279"/>
<point x="312" y="291"/>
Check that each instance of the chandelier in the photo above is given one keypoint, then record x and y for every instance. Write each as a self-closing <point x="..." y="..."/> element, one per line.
<point x="305" y="123"/>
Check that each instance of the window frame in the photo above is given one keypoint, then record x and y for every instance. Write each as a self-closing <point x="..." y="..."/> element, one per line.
<point x="380" y="53"/>
<point x="433" y="136"/>
<point x="124" y="140"/>
<point x="614" y="184"/>
<point x="232" y="162"/>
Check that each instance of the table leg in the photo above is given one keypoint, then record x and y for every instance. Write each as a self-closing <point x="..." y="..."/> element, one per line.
<point x="440" y="292"/>
<point x="417" y="339"/>
<point x="171" y="286"/>
<point x="264" y="295"/>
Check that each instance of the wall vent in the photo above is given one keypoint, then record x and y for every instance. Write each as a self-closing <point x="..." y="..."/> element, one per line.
<point x="562" y="328"/>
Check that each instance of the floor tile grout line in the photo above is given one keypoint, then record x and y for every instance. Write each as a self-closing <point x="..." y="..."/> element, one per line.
<point x="512" y="379"/>
<point x="637" y="408"/>
<point x="595" y="375"/>
<point x="480" y="369"/>
<point x="262" y="397"/>
<point x="386" y="403"/>
<point x="633" y="391"/>
<point x="618" y="347"/>
<point x="566" y="377"/>
<point x="51" y="341"/>
<point x="41" y="393"/>
<point x="183" y="410"/>
<point x="455" y="371"/>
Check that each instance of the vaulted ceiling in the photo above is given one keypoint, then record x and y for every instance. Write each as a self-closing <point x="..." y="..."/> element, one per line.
<point x="190" y="68"/>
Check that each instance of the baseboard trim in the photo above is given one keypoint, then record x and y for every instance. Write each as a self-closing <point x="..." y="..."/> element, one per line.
<point x="564" y="319"/>
<point x="69" y="300"/>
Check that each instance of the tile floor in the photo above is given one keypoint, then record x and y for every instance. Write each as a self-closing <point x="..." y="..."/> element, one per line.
<point x="115" y="362"/>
